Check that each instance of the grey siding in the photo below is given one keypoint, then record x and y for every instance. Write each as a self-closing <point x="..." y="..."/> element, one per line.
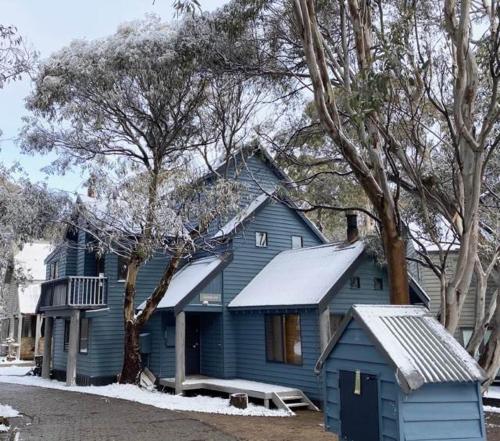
<point x="366" y="294"/>
<point x="449" y="411"/>
<point x="356" y="351"/>
<point x="251" y="353"/>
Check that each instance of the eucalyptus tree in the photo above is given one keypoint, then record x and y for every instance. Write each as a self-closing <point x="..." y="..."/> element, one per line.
<point x="132" y="109"/>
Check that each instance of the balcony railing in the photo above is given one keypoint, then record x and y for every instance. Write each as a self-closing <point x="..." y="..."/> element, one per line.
<point x="74" y="291"/>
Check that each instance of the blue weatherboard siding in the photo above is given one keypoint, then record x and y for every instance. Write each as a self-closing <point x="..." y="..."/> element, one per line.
<point x="356" y="351"/>
<point x="66" y="256"/>
<point x="347" y="296"/>
<point x="251" y="353"/>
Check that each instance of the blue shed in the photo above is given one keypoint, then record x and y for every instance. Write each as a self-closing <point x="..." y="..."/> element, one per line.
<point x="394" y="373"/>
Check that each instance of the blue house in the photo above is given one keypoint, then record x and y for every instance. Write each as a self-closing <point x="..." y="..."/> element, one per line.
<point x="394" y="373"/>
<point x="260" y="308"/>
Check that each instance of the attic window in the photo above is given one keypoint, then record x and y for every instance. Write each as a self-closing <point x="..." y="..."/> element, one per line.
<point x="355" y="283"/>
<point x="261" y="239"/>
<point x="122" y="268"/>
<point x="297" y="242"/>
<point x="378" y="284"/>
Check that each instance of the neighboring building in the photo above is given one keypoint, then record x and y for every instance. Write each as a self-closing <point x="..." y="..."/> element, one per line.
<point x="20" y="327"/>
<point x="259" y="308"/>
<point x="394" y="373"/>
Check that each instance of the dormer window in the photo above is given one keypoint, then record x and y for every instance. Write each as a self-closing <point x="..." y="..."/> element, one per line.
<point x="261" y="239"/>
<point x="297" y="242"/>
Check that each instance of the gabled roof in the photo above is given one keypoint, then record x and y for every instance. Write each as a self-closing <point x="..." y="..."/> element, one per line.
<point x="188" y="280"/>
<point x="419" y="348"/>
<point x="300" y="277"/>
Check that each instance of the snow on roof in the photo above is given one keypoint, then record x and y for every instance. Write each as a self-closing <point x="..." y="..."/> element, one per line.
<point x="241" y="217"/>
<point x="420" y="348"/>
<point x="298" y="277"/>
<point x="31" y="259"/>
<point x="447" y="239"/>
<point x="418" y="287"/>
<point x="187" y="279"/>
<point x="28" y="296"/>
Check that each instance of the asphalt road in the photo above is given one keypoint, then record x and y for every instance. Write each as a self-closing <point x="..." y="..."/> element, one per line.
<point x="56" y="415"/>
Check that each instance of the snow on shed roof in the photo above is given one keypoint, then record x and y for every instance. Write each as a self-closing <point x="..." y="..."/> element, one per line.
<point x="241" y="217"/>
<point x="31" y="259"/>
<point x="299" y="277"/>
<point x="28" y="296"/>
<point x="420" y="348"/>
<point x="191" y="276"/>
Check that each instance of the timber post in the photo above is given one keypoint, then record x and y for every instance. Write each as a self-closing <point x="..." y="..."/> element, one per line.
<point x="324" y="328"/>
<point x="180" y="351"/>
<point x="47" y="347"/>
<point x="74" y="338"/>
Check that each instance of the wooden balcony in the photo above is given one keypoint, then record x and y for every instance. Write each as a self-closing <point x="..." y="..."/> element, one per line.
<point x="75" y="292"/>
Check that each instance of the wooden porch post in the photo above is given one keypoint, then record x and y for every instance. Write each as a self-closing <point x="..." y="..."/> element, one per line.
<point x="19" y="335"/>
<point x="74" y="337"/>
<point x="324" y="328"/>
<point x="180" y="351"/>
<point x="38" y="333"/>
<point x="47" y="347"/>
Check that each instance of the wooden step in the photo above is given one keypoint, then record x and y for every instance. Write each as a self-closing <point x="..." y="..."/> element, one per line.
<point x="301" y="404"/>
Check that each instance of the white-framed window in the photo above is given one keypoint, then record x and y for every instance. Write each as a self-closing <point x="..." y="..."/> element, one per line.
<point x="261" y="239"/>
<point x="297" y="242"/>
<point x="84" y="335"/>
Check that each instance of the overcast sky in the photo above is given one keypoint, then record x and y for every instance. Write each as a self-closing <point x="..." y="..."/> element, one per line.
<point x="49" y="25"/>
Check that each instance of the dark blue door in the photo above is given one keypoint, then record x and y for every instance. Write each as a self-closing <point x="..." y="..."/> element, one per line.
<point x="192" y="344"/>
<point x="358" y="407"/>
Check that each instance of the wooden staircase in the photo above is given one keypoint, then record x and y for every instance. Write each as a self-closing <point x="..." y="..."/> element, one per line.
<point x="295" y="399"/>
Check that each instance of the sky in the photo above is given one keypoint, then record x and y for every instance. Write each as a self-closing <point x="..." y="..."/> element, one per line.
<point x="48" y="26"/>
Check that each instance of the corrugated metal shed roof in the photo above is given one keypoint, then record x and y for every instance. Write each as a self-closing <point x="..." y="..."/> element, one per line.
<point x="419" y="347"/>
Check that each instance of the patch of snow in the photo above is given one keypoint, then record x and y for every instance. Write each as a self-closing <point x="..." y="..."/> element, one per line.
<point x="241" y="217"/>
<point x="3" y="428"/>
<point x="492" y="392"/>
<point x="31" y="259"/>
<point x="299" y="277"/>
<point x="187" y="279"/>
<point x="491" y="409"/>
<point x="157" y="399"/>
<point x="7" y="411"/>
<point x="14" y="370"/>
<point x="28" y="297"/>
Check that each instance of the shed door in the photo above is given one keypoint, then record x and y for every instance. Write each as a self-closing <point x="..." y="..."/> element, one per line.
<point x="358" y="411"/>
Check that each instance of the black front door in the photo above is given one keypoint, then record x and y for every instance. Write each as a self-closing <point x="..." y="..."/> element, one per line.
<point x="192" y="344"/>
<point x="358" y="407"/>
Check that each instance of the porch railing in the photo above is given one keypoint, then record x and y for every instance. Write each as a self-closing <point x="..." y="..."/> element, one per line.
<point x="74" y="291"/>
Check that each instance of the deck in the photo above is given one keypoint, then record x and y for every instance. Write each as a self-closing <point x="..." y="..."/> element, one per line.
<point x="282" y="396"/>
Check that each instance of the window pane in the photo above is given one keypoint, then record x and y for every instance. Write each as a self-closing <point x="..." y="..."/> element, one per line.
<point x="261" y="239"/>
<point x="84" y="335"/>
<point x="122" y="268"/>
<point x="293" y="347"/>
<point x="378" y="284"/>
<point x="355" y="283"/>
<point x="297" y="242"/>
<point x="274" y="338"/>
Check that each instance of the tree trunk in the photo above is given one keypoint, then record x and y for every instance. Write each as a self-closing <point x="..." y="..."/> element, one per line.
<point x="132" y="356"/>
<point x="395" y="251"/>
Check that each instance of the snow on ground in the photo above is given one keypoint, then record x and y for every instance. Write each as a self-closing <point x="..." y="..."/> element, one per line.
<point x="5" y="362"/>
<point x="491" y="409"/>
<point x="3" y="428"/>
<point x="7" y="411"/>
<point x="14" y="370"/>
<point x="157" y="399"/>
<point x="492" y="392"/>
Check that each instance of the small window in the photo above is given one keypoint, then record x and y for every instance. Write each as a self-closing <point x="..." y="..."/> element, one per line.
<point x="66" y="335"/>
<point x="283" y="340"/>
<point x="466" y="335"/>
<point x="378" y="284"/>
<point x="335" y="321"/>
<point x="355" y="283"/>
<point x="84" y="335"/>
<point x="261" y="239"/>
<point x="297" y="242"/>
<point x="54" y="270"/>
<point x="122" y="268"/>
